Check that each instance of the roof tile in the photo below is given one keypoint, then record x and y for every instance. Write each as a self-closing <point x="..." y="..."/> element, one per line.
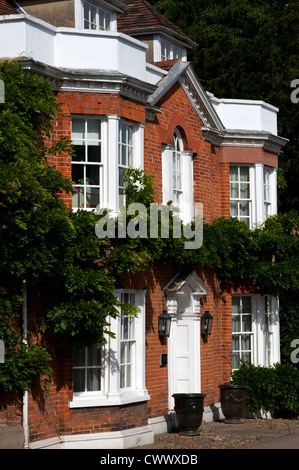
<point x="7" y="7"/>
<point x="144" y="18"/>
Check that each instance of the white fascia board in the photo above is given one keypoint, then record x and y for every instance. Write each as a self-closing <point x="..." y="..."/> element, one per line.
<point x="168" y="81"/>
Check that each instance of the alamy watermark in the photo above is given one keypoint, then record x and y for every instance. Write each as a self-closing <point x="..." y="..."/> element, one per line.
<point x="2" y="352"/>
<point x="295" y="353"/>
<point x="2" y="92"/>
<point x="295" y="93"/>
<point x="151" y="224"/>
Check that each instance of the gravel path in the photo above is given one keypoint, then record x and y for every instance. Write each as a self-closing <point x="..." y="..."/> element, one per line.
<point x="218" y="435"/>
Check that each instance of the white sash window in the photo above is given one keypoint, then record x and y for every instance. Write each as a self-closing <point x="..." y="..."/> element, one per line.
<point x="253" y="193"/>
<point x="255" y="330"/>
<point x="114" y="373"/>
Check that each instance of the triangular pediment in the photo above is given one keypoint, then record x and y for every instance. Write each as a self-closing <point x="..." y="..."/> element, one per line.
<point x="177" y="285"/>
<point x="183" y="73"/>
<point x="184" y="292"/>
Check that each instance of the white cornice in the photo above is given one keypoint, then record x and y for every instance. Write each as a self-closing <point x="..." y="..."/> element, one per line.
<point x="87" y="81"/>
<point x="238" y="138"/>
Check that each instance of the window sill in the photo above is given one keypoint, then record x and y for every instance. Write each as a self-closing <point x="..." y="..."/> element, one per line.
<point x="109" y="400"/>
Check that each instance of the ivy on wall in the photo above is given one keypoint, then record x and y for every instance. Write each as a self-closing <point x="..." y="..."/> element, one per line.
<point x="44" y="243"/>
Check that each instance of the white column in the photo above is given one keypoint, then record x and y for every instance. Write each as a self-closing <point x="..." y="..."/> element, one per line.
<point x="187" y="185"/>
<point x="259" y="316"/>
<point x="273" y="191"/>
<point x="111" y="173"/>
<point x="275" y="328"/>
<point x="140" y="343"/>
<point x="112" y="379"/>
<point x="139" y="147"/>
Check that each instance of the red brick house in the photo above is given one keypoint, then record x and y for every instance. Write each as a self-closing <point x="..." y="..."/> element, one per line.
<point x="131" y="98"/>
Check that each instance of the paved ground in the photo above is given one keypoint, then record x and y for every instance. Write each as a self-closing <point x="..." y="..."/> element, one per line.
<point x="250" y="434"/>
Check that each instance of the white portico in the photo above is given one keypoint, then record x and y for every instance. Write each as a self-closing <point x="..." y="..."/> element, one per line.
<point x="184" y="293"/>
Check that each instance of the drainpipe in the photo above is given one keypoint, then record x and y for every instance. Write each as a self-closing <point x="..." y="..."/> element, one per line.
<point x="25" y="394"/>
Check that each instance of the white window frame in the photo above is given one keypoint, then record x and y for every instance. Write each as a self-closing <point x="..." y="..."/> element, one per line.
<point x="257" y="196"/>
<point x="128" y="346"/>
<point x="177" y="170"/>
<point x="267" y="198"/>
<point x="265" y="331"/>
<point x="112" y="393"/>
<point x="186" y="206"/>
<point x="176" y="51"/>
<point x="238" y="200"/>
<point x="112" y="198"/>
<point x="269" y="191"/>
<point x="100" y="5"/>
<point x="239" y="334"/>
<point x="85" y="163"/>
<point x="109" y="183"/>
<point x="126" y="145"/>
<point x="86" y="367"/>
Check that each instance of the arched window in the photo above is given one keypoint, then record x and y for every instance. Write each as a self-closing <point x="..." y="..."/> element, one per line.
<point x="177" y="169"/>
<point x="177" y="174"/>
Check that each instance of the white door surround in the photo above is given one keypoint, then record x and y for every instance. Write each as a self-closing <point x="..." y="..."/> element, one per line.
<point x="183" y="294"/>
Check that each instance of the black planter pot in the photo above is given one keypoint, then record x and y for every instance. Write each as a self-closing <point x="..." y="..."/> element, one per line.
<point x="233" y="401"/>
<point x="189" y="411"/>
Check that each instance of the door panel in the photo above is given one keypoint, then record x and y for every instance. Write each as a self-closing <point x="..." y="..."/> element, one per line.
<point x="184" y="361"/>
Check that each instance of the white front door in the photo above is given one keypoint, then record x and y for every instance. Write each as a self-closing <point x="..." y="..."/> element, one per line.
<point x="184" y="355"/>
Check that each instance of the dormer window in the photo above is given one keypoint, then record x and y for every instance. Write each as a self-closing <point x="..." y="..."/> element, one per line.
<point x="95" y="17"/>
<point x="168" y="50"/>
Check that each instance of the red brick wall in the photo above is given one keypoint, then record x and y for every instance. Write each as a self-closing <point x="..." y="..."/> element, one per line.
<point x="248" y="155"/>
<point x="11" y="409"/>
<point x="216" y="350"/>
<point x="49" y="413"/>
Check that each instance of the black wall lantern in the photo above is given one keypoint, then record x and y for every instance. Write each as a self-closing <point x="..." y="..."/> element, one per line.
<point x="164" y="322"/>
<point x="206" y="324"/>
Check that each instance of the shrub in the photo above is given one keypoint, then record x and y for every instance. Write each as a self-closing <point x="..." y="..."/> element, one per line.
<point x="273" y="389"/>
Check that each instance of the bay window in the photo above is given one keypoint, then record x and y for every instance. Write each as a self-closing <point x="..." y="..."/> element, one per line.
<point x="253" y="193"/>
<point x="114" y="373"/>
<point x="255" y="330"/>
